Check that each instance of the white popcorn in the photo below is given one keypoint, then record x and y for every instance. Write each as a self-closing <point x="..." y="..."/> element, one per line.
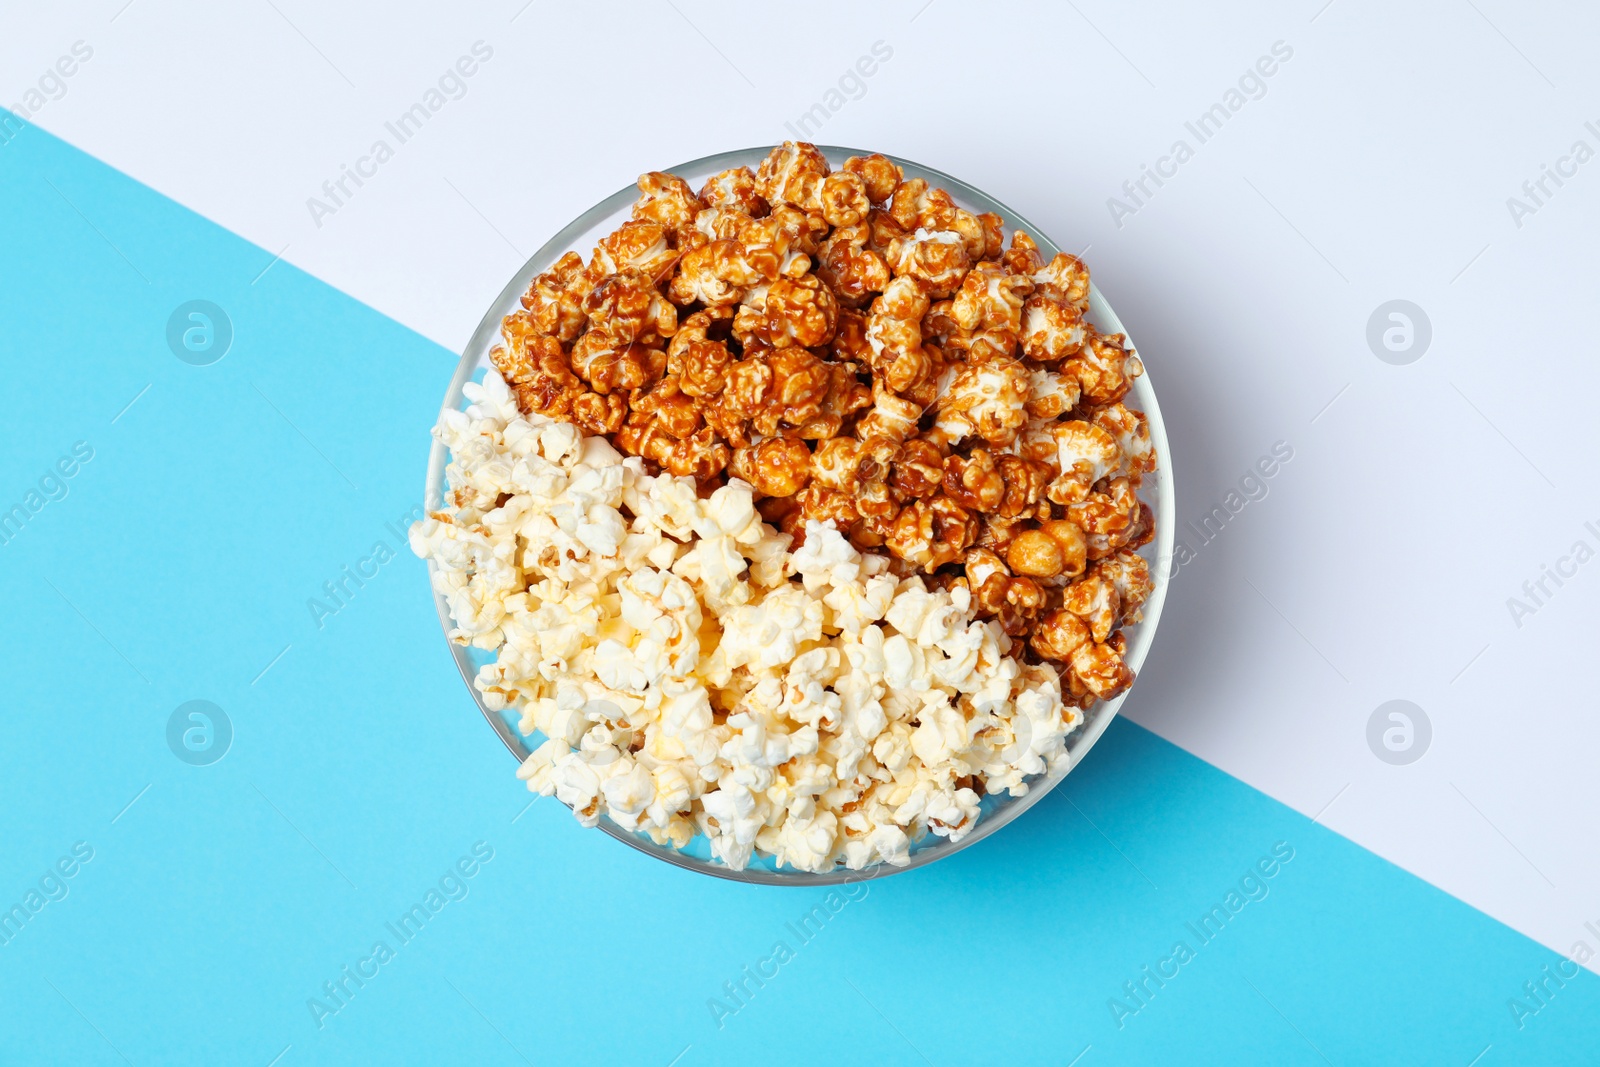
<point x="826" y="559"/>
<point x="628" y="615"/>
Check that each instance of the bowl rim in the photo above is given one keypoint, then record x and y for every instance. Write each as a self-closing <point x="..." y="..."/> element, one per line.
<point x="1099" y="716"/>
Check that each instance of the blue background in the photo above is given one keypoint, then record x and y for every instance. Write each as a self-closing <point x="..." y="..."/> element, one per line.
<point x="179" y="566"/>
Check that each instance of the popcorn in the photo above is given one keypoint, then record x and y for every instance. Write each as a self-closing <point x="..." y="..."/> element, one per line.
<point x="939" y="259"/>
<point x="985" y="400"/>
<point x="687" y="513"/>
<point x="859" y="711"/>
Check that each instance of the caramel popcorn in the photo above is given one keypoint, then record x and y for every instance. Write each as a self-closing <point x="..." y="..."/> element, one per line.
<point x="801" y="312"/>
<point x="554" y="300"/>
<point x="871" y="358"/>
<point x="986" y="400"/>
<point x="851" y="269"/>
<point x="938" y="259"/>
<point x="736" y="190"/>
<point x="792" y="174"/>
<point x="640" y="245"/>
<point x="666" y="199"/>
<point x="843" y="199"/>
<point x="879" y="173"/>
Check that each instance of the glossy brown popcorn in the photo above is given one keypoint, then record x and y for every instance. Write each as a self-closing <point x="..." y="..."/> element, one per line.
<point x="975" y="481"/>
<point x="1035" y="554"/>
<point x="894" y="335"/>
<point x="964" y="345"/>
<point x="891" y="417"/>
<point x="668" y="407"/>
<point x="800" y="312"/>
<point x="538" y="372"/>
<point x="639" y="245"/>
<point x="1023" y="256"/>
<point x="852" y="270"/>
<point x="918" y="469"/>
<point x="906" y="203"/>
<point x="778" y="466"/>
<point x="1129" y="573"/>
<point x="701" y="456"/>
<point x="879" y="508"/>
<point x="931" y="533"/>
<point x="698" y="455"/>
<point x="863" y="350"/>
<point x="515" y="357"/>
<point x="842" y="198"/>
<point x="792" y="174"/>
<point x="554" y="300"/>
<point x="1101" y="670"/>
<point x="1105" y="367"/>
<point x="736" y="190"/>
<point x="701" y="368"/>
<point x="998" y="532"/>
<point x="984" y="400"/>
<point x="599" y="414"/>
<point x="850" y="466"/>
<point x="822" y="504"/>
<point x="994" y="234"/>
<point x="1109" y="519"/>
<point x="938" y="259"/>
<point x="610" y="366"/>
<point x="836" y="464"/>
<point x="1051" y="330"/>
<point x="1071" y="541"/>
<point x="1095" y="600"/>
<point x="878" y="172"/>
<point x="1051" y="395"/>
<point x="716" y="274"/>
<point x="1025" y="482"/>
<point x="1084" y="454"/>
<point x="792" y="404"/>
<point x="1066" y="279"/>
<point x="990" y="299"/>
<point x="1132" y="434"/>
<point x="1015" y="602"/>
<point x="847" y="395"/>
<point x="627" y="307"/>
<point x="850" y="338"/>
<point x="730" y="412"/>
<point x="666" y="199"/>
<point x="882" y="231"/>
<point x="1059" y="635"/>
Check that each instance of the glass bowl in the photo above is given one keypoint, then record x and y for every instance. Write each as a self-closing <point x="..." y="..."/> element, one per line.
<point x="581" y="235"/>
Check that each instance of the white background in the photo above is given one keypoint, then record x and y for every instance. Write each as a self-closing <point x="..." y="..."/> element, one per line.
<point x="1377" y="165"/>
